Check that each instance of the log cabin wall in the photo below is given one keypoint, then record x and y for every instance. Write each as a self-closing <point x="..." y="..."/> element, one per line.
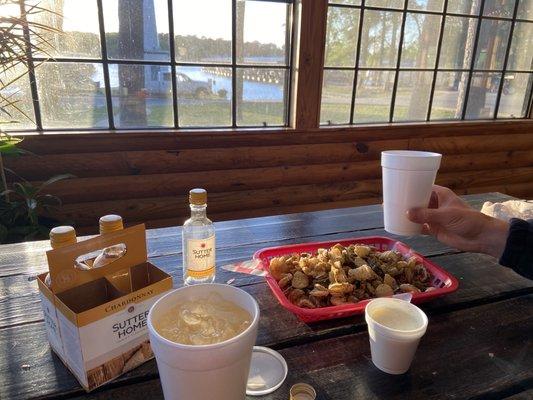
<point x="145" y="176"/>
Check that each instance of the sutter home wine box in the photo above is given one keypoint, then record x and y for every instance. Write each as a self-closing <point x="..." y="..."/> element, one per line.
<point x="96" y="319"/>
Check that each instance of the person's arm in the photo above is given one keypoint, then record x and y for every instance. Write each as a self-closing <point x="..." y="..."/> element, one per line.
<point x="518" y="252"/>
<point x="454" y="223"/>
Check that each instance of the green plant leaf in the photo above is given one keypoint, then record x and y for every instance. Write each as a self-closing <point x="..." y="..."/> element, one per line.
<point x="55" y="179"/>
<point x="41" y="232"/>
<point x="10" y="150"/>
<point x="48" y="200"/>
<point x="3" y="233"/>
<point x="25" y="189"/>
<point x="7" y="191"/>
<point x="24" y="230"/>
<point x="32" y="204"/>
<point x="6" y="102"/>
<point x="7" y="141"/>
<point x="15" y="47"/>
<point x="9" y="170"/>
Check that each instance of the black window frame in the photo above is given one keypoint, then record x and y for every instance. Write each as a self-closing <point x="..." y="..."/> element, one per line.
<point x="471" y="71"/>
<point x="105" y="61"/>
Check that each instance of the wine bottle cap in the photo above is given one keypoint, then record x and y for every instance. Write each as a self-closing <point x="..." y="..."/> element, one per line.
<point x="302" y="391"/>
<point x="198" y="197"/>
<point x="110" y="223"/>
<point x="62" y="236"/>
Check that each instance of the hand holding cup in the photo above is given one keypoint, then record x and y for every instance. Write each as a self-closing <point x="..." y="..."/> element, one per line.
<point x="408" y="178"/>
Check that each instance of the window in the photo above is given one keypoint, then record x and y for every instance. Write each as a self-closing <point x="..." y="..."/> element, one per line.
<point x="127" y="64"/>
<point x="427" y="60"/>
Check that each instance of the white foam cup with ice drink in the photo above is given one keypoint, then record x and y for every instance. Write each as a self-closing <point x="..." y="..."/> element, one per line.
<point x="408" y="177"/>
<point x="394" y="328"/>
<point x="183" y="321"/>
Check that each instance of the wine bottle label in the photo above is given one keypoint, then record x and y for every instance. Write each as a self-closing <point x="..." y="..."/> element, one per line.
<point x="201" y="257"/>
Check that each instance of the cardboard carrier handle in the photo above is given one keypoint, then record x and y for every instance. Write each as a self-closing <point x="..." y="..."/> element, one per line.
<point x="64" y="273"/>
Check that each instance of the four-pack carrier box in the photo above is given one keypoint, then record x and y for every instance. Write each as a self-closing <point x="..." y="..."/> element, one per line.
<point x="96" y="318"/>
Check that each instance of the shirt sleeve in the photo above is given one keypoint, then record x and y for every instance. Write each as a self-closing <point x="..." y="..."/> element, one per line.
<point x="518" y="253"/>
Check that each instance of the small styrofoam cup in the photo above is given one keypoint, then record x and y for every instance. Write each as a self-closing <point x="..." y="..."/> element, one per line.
<point x="408" y="177"/>
<point x="393" y="350"/>
<point x="215" y="371"/>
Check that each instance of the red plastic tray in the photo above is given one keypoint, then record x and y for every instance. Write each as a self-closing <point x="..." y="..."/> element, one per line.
<point x="444" y="281"/>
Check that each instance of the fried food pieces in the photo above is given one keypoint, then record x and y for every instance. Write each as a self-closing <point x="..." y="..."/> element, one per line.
<point x="341" y="275"/>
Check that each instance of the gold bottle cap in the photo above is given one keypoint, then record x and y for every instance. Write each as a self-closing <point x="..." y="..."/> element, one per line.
<point x="110" y="223"/>
<point x="62" y="236"/>
<point x="198" y="197"/>
<point x="302" y="391"/>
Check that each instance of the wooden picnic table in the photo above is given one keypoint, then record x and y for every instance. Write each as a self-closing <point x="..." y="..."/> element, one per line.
<point x="478" y="344"/>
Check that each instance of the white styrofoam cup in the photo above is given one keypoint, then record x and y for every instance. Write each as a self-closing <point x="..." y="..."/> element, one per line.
<point x="408" y="177"/>
<point x="393" y="350"/>
<point x="216" y="371"/>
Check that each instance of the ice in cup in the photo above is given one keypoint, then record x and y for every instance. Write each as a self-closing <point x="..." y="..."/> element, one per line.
<point x="408" y="177"/>
<point x="394" y="327"/>
<point x="217" y="370"/>
<point x="203" y="321"/>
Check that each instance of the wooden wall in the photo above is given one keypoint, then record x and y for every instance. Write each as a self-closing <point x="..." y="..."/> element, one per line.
<point x="145" y="177"/>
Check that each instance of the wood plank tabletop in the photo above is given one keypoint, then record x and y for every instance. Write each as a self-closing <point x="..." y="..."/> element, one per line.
<point x="478" y="343"/>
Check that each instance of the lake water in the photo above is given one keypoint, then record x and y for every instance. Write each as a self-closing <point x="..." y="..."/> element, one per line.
<point x="252" y="91"/>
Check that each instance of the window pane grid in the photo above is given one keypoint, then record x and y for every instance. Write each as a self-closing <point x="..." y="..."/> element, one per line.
<point x="172" y="49"/>
<point x="505" y="61"/>
<point x="163" y="63"/>
<point x="423" y="69"/>
<point x="398" y="62"/>
<point x="437" y="60"/>
<point x="233" y="62"/>
<point x="31" y="70"/>
<point x="357" y="56"/>
<point x="107" y="81"/>
<point x="431" y="12"/>
<point x="263" y="72"/>
<point x="489" y="71"/>
<point x="529" y="104"/>
<point x="472" y="64"/>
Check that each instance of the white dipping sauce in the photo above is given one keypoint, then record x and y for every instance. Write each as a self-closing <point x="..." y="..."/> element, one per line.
<point x="395" y="317"/>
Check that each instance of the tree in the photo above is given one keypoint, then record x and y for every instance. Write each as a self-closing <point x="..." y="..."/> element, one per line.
<point x="469" y="53"/>
<point x="341" y="36"/>
<point x="131" y="77"/>
<point x="419" y="100"/>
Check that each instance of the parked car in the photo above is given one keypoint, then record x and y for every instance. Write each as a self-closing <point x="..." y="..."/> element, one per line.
<point x="190" y="87"/>
<point x="160" y="82"/>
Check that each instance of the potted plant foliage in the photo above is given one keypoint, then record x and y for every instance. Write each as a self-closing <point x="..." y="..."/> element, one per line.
<point x="23" y="204"/>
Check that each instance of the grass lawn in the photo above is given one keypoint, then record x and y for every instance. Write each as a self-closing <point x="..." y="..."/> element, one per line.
<point x="340" y="113"/>
<point x="216" y="113"/>
<point x="206" y="113"/>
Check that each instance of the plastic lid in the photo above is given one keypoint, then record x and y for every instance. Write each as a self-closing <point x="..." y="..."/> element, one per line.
<point x="62" y="236"/>
<point x="268" y="371"/>
<point x="110" y="223"/>
<point x="198" y="197"/>
<point x="410" y="160"/>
